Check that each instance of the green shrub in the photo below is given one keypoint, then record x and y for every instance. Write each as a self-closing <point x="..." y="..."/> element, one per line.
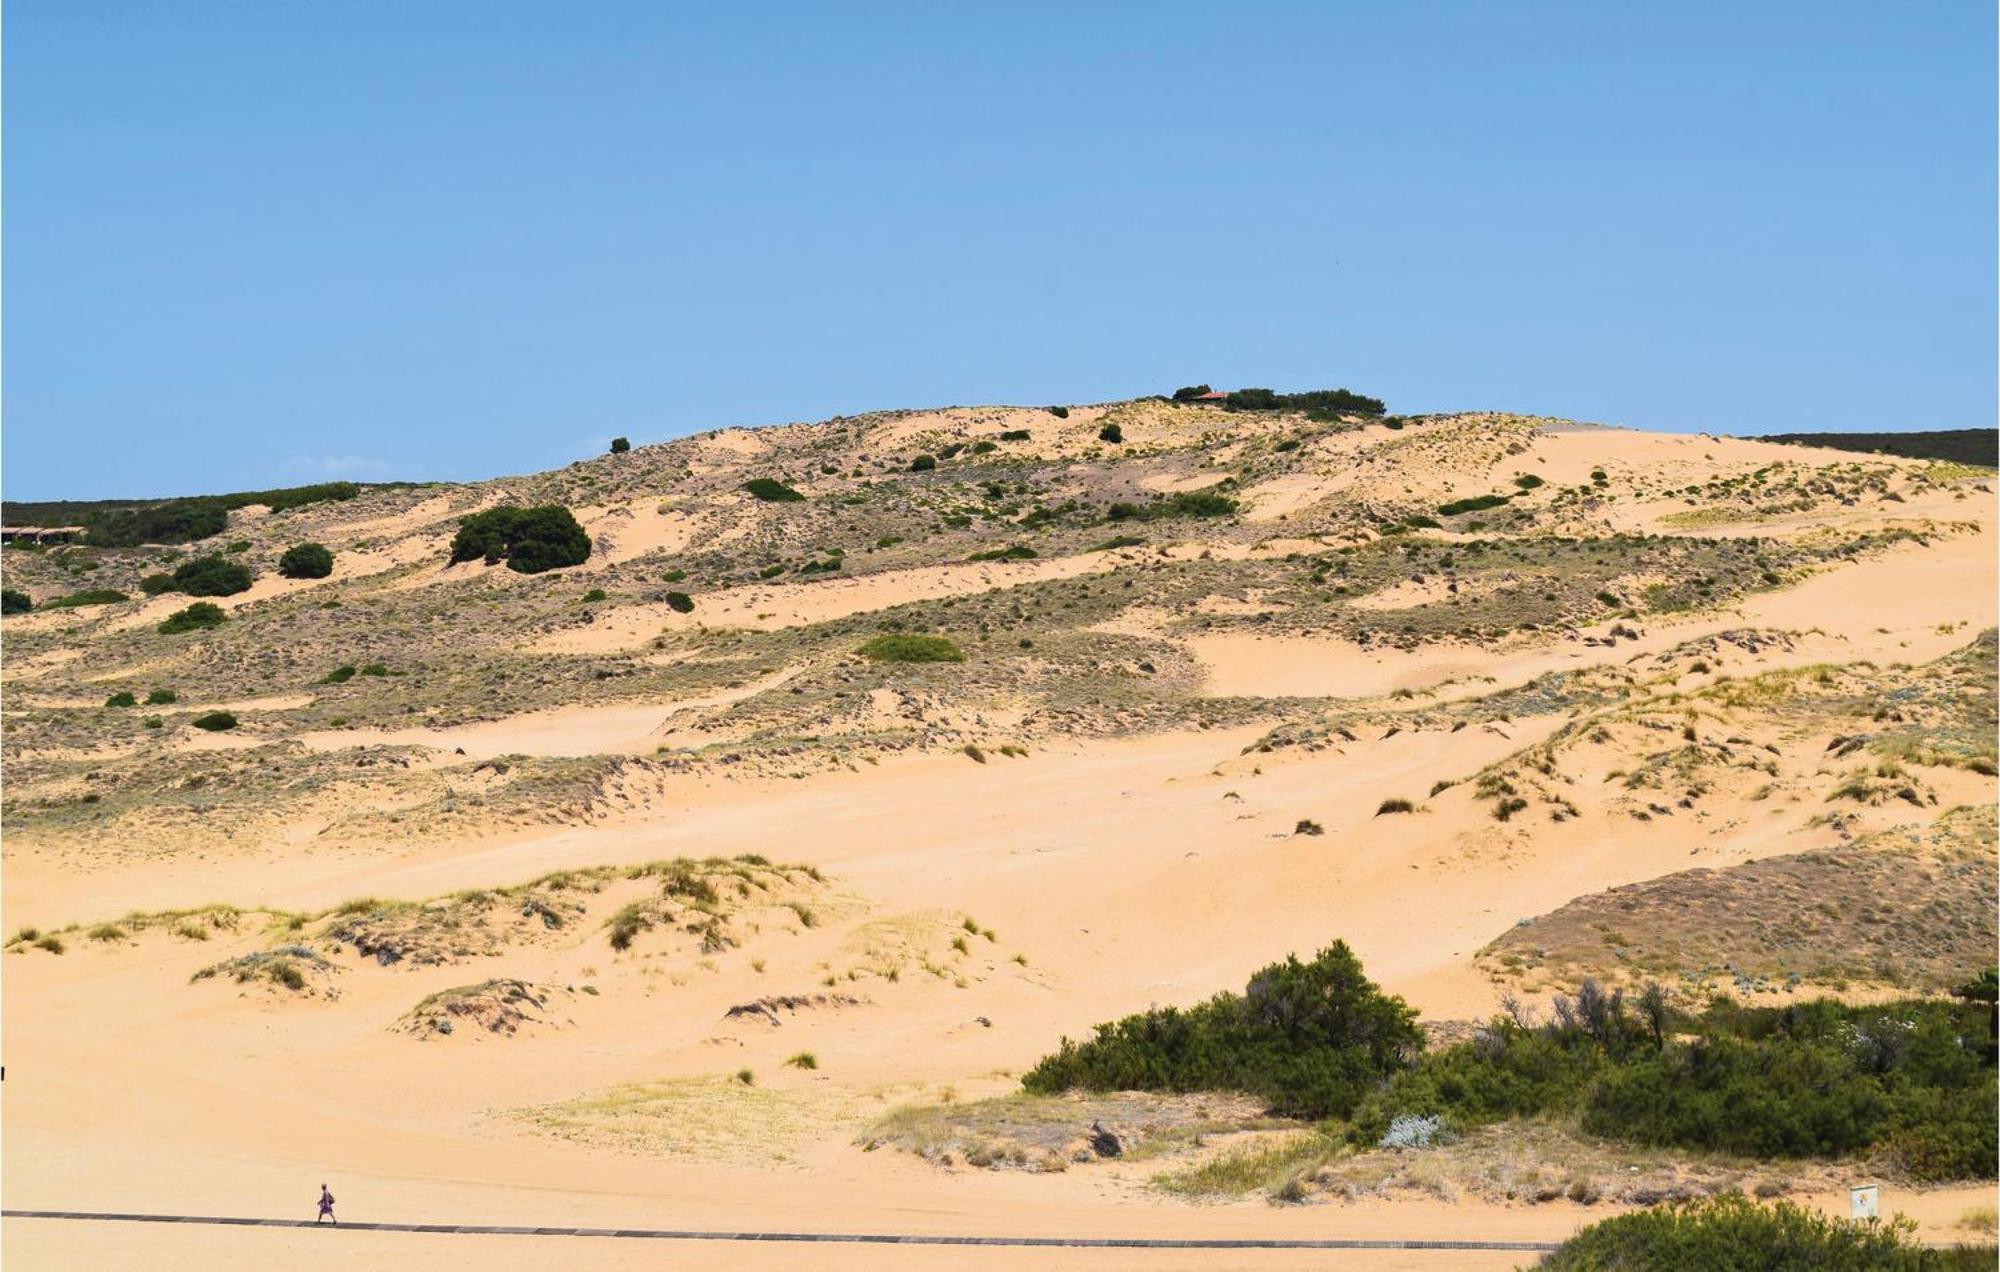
<point x="89" y="596"/>
<point x="1477" y="503"/>
<point x="904" y="648"/>
<point x="1326" y="404"/>
<point x="680" y="602"/>
<point x="238" y="546"/>
<point x="339" y="675"/>
<point x="1060" y="412"/>
<point x="156" y="584"/>
<point x="1014" y="552"/>
<point x="1189" y="393"/>
<point x="529" y="540"/>
<point x="1395" y="806"/>
<point x="123" y="698"/>
<point x="13" y="602"/>
<point x="306" y="561"/>
<point x="771" y="490"/>
<point x="212" y="576"/>
<point x="214" y="721"/>
<point x="1111" y="433"/>
<point x="196" y="617"/>
<point x="1117" y="541"/>
<point x="1730" y="1233"/>
<point x="1014" y="435"/>
<point x="923" y="463"/>
<point x="593" y="596"/>
<point x="673" y="576"/>
<point x="1310" y="1038"/>
<point x="983" y="447"/>
<point x="1527" y="481"/>
<point x="619" y="445"/>
<point x="162" y="698"/>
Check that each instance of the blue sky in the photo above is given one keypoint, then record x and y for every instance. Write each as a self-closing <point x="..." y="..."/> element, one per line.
<point x="258" y="244"/>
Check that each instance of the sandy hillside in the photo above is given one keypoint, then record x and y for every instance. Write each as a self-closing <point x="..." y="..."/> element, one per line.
<point x="524" y="898"/>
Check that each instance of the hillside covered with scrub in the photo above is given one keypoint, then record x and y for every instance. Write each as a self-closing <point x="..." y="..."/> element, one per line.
<point x="1235" y="798"/>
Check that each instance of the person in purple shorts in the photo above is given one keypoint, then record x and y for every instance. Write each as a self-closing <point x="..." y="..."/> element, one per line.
<point x="325" y="1207"/>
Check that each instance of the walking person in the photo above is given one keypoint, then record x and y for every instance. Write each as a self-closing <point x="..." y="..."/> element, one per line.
<point x="325" y="1207"/>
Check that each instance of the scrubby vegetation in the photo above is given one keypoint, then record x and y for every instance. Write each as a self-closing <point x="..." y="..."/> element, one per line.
<point x="529" y="540"/>
<point x="306" y="561"/>
<point x="680" y="602"/>
<point x="130" y="523"/>
<point x="214" y="721"/>
<point x="905" y="648"/>
<point x="211" y="576"/>
<point x="1326" y="403"/>
<point x="13" y="602"/>
<point x="1979" y="446"/>
<point x="1731" y="1233"/>
<point x="89" y="596"/>
<point x="620" y="445"/>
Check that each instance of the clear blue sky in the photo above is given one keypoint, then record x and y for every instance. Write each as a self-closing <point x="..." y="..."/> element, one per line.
<point x="265" y="243"/>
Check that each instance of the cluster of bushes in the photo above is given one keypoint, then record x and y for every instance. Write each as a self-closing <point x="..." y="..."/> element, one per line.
<point x="306" y="561"/>
<point x="1185" y="503"/>
<point x="1313" y="1039"/>
<point x="1319" y="403"/>
<point x="1477" y="503"/>
<point x="13" y="602"/>
<point x="203" y="576"/>
<point x="89" y="596"/>
<point x="771" y="490"/>
<point x="1729" y="1231"/>
<point x="1814" y="1079"/>
<point x="198" y="517"/>
<point x="529" y="540"/>
<point x="1013" y="552"/>
<point x="905" y="648"/>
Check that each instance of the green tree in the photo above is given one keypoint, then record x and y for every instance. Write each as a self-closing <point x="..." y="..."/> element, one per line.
<point x="306" y="561"/>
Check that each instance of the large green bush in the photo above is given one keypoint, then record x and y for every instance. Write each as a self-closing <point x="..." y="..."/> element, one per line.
<point x="1183" y="503"/>
<point x="1477" y="503"/>
<point x="214" y="721"/>
<point x="1312" y="1039"/>
<point x="212" y="576"/>
<point x="306" y="561"/>
<point x="89" y="596"/>
<point x="200" y="615"/>
<point x="904" y="648"/>
<point x="771" y="490"/>
<point x="1730" y="1233"/>
<point x="529" y="540"/>
<point x="13" y="602"/>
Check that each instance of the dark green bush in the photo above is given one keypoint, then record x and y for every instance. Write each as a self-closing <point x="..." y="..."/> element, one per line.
<point x="214" y="721"/>
<point x="1060" y="412"/>
<point x="1527" y="481"/>
<point x="673" y="576"/>
<point x="212" y="576"/>
<point x="1111" y="433"/>
<point x="1014" y="552"/>
<point x="339" y="675"/>
<point x="306" y="561"/>
<point x="1310" y="1038"/>
<point x="155" y="584"/>
<point x="593" y="596"/>
<point x="198" y="517"/>
<point x="771" y="490"/>
<point x="529" y="540"/>
<point x="1477" y="503"/>
<point x="162" y="698"/>
<point x="201" y="614"/>
<point x="89" y="596"/>
<point x="923" y="463"/>
<point x="1189" y="393"/>
<point x="680" y="602"/>
<point x="983" y="448"/>
<point x="1730" y="1233"/>
<point x="619" y="445"/>
<point x="13" y="602"/>
<point x="912" y="649"/>
<point x="1325" y="404"/>
<point x="123" y="698"/>
<point x="374" y="669"/>
<point x="240" y="545"/>
<point x="1014" y="435"/>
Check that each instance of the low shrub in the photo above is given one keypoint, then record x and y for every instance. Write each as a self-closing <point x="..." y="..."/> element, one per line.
<point x="673" y="576"/>
<point x="214" y="721"/>
<point x="123" y="698"/>
<point x="1111" y="433"/>
<point x="530" y="540"/>
<point x="923" y="463"/>
<point x="162" y="698"/>
<point x="1014" y="435"/>
<point x="306" y="561"/>
<point x="1014" y="552"/>
<point x="157" y="584"/>
<point x="1477" y="503"/>
<point x="1310" y="1038"/>
<point x="1527" y="481"/>
<point x="196" y="617"/>
<point x="13" y="602"/>
<point x="339" y="675"/>
<point x="1060" y="412"/>
<point x="771" y="490"/>
<point x="619" y="445"/>
<point x="1728" y="1232"/>
<point x="906" y="648"/>
<point x="89" y="596"/>
<point x="1395" y="806"/>
<point x="1188" y="393"/>
<point x="593" y="596"/>
<point x="680" y="602"/>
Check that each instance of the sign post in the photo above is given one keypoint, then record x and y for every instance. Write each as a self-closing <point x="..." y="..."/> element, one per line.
<point x="1863" y="1200"/>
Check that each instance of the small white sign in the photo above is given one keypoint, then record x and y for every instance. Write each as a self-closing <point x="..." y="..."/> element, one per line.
<point x="1863" y="1200"/>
